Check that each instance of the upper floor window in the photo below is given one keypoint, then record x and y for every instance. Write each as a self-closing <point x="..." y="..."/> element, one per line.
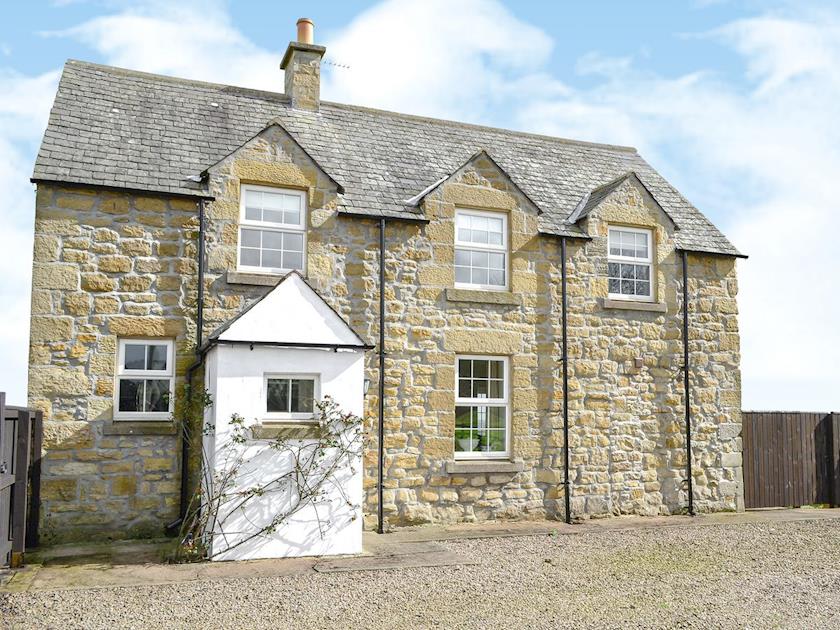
<point x="481" y="407"/>
<point x="630" y="263"/>
<point x="144" y="379"/>
<point x="481" y="250"/>
<point x="290" y="396"/>
<point x="272" y="229"/>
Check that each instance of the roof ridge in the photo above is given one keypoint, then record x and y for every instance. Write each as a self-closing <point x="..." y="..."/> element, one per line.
<point x="513" y="132"/>
<point x="348" y="106"/>
<point x="177" y="80"/>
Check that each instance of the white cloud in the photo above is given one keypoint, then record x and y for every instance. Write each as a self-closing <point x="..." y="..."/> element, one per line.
<point x="192" y="39"/>
<point x="438" y="58"/>
<point x="24" y="106"/>
<point x="759" y="155"/>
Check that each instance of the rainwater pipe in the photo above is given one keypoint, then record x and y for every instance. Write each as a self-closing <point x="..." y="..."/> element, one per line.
<point x="199" y="324"/>
<point x="685" y="384"/>
<point x="565" y="360"/>
<point x="380" y="525"/>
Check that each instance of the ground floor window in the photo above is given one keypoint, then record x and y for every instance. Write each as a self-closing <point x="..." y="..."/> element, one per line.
<point x="144" y="379"/>
<point x="290" y="396"/>
<point x="482" y="408"/>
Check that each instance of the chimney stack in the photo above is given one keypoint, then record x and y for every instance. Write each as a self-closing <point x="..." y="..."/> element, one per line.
<point x="302" y="65"/>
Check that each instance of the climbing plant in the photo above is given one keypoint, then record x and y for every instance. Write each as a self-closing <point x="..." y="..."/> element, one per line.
<point x="221" y="496"/>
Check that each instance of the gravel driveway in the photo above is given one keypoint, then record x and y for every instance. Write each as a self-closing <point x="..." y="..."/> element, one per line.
<point x="728" y="576"/>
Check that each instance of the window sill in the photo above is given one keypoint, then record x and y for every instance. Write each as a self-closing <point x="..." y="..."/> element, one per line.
<point x="139" y="427"/>
<point x="631" y="305"/>
<point x="286" y="430"/>
<point x="482" y="296"/>
<point x="484" y="466"/>
<point x="253" y="278"/>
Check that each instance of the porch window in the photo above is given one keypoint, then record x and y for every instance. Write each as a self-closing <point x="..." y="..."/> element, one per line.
<point x="290" y="396"/>
<point x="630" y="264"/>
<point x="481" y="250"/>
<point x="272" y="229"/>
<point x="144" y="379"/>
<point x="482" y="408"/>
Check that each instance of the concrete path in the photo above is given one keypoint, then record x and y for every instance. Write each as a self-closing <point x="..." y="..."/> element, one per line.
<point x="135" y="563"/>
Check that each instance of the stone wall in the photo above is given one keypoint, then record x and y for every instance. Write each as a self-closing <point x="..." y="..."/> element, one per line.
<point x="627" y="447"/>
<point x="106" y="265"/>
<point x="627" y="437"/>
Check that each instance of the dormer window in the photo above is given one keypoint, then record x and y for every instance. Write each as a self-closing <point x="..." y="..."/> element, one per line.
<point x="272" y="229"/>
<point x="481" y="250"/>
<point x="630" y="264"/>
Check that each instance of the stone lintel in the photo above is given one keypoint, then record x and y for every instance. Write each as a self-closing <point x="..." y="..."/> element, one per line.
<point x="483" y="297"/>
<point x="258" y="279"/>
<point x="286" y="430"/>
<point x="139" y="428"/>
<point x="630" y="305"/>
<point x="484" y="466"/>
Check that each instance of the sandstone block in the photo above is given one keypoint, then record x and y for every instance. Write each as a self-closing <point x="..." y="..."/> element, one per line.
<point x="115" y="264"/>
<point x="135" y="247"/>
<point x="77" y="304"/>
<point x="150" y="204"/>
<point x="124" y="485"/>
<point x="55" y="276"/>
<point x="157" y="464"/>
<point x="98" y="282"/>
<point x="50" y="380"/>
<point x="135" y="283"/>
<point x="41" y="302"/>
<point x="59" y="489"/>
<point x="106" y="235"/>
<point x="75" y="202"/>
<point x="48" y="328"/>
<point x="46" y="248"/>
<point x="482" y="341"/>
<point x="106" y="304"/>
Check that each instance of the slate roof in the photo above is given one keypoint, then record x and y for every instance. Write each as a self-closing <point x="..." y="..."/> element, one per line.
<point x="126" y="129"/>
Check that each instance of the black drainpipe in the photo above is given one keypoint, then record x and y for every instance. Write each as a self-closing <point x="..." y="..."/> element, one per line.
<point x="685" y="385"/>
<point x="381" y="463"/>
<point x="565" y="359"/>
<point x="199" y="324"/>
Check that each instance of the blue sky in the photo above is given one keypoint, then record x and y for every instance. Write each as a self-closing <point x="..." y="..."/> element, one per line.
<point x="734" y="102"/>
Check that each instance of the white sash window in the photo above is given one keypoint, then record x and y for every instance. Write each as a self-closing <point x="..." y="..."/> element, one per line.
<point x="272" y="229"/>
<point x="630" y="264"/>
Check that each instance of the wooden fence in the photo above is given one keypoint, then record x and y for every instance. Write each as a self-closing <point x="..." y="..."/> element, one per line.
<point x="791" y="459"/>
<point x="21" y="435"/>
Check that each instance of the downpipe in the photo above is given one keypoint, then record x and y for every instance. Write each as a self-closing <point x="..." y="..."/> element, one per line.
<point x="687" y="397"/>
<point x="565" y="360"/>
<point x="380" y="526"/>
<point x="173" y="527"/>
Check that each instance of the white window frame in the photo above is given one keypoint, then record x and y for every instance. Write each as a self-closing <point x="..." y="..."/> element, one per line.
<point x="632" y="260"/>
<point x="122" y="373"/>
<point x="486" y="402"/>
<point x="284" y="416"/>
<point x="272" y="226"/>
<point x="504" y="248"/>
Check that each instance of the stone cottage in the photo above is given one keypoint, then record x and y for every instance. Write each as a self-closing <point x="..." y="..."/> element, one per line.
<point x="471" y="260"/>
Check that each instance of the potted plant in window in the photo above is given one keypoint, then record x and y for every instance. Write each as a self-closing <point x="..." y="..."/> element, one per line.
<point x="469" y="444"/>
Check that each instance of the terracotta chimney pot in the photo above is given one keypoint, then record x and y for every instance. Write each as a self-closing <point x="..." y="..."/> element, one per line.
<point x="305" y="31"/>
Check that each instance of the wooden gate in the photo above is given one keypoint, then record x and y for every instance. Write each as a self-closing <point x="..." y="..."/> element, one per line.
<point x="791" y="459"/>
<point x="21" y="432"/>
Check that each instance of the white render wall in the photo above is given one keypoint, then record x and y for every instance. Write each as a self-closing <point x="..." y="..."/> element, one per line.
<point x="235" y="379"/>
